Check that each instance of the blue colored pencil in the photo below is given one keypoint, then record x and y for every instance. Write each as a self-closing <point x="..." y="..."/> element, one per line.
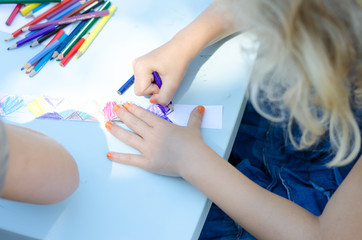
<point x="45" y="59"/>
<point x="41" y="54"/>
<point x="125" y="86"/>
<point x="130" y="81"/>
<point x="69" y="38"/>
<point x="66" y="11"/>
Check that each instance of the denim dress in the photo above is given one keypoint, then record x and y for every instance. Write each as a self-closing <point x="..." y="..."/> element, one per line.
<point x="263" y="152"/>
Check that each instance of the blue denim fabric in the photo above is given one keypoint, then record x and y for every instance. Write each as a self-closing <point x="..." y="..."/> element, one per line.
<point x="263" y="152"/>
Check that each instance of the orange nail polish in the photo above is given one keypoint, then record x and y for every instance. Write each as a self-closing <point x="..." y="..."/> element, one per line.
<point x="109" y="155"/>
<point x="153" y="101"/>
<point x="115" y="108"/>
<point x="202" y="109"/>
<point x="126" y="105"/>
<point x="109" y="125"/>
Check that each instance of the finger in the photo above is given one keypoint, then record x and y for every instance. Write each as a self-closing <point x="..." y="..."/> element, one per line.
<point x="125" y="136"/>
<point x="150" y="118"/>
<point x="165" y="94"/>
<point x="196" y="116"/>
<point x="149" y="91"/>
<point x="135" y="123"/>
<point x="143" y="83"/>
<point x="128" y="159"/>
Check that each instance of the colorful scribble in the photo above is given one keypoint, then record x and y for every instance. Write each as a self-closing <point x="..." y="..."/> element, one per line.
<point x="45" y="107"/>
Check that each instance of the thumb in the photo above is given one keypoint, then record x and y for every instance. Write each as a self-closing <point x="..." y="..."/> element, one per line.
<point x="196" y="116"/>
<point x="165" y="95"/>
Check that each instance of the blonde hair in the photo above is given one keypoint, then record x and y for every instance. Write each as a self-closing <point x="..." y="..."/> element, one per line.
<point x="308" y="71"/>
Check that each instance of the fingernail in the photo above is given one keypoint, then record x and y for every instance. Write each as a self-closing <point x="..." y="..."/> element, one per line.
<point x="109" y="155"/>
<point x="109" y="125"/>
<point x="115" y="108"/>
<point x="153" y="101"/>
<point x="202" y="109"/>
<point x="126" y="105"/>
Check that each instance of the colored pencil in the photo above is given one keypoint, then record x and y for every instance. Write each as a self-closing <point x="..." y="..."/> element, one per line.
<point x="57" y="36"/>
<point x="157" y="79"/>
<point x="25" y="10"/>
<point x="82" y="32"/>
<point x="69" y="38"/>
<point x="130" y="81"/>
<point x="43" y="10"/>
<point x="72" y="52"/>
<point x="61" y="9"/>
<point x="41" y="54"/>
<point x="77" y="10"/>
<point x="37" y="19"/>
<point x="35" y="35"/>
<point x="45" y="59"/>
<point x="67" y="20"/>
<point x="26" y="1"/>
<point x="125" y="86"/>
<point x="13" y="14"/>
<point x="96" y="31"/>
<point x="66" y="11"/>
<point x="31" y="13"/>
<point x="46" y="36"/>
<point x="92" y="6"/>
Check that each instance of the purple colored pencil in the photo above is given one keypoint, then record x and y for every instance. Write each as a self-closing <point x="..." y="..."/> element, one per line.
<point x="157" y="79"/>
<point x="61" y="9"/>
<point x="33" y="36"/>
<point x="67" y="20"/>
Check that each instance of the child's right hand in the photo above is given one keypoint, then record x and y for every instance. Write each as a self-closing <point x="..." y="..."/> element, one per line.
<point x="170" y="61"/>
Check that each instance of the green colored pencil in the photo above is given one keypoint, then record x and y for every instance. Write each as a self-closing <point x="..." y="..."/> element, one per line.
<point x="82" y="32"/>
<point x="27" y="1"/>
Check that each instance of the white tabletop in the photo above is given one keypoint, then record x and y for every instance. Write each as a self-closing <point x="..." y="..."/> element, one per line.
<point x="114" y="201"/>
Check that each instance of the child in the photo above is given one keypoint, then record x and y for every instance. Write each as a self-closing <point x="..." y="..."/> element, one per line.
<point x="299" y="139"/>
<point x="33" y="167"/>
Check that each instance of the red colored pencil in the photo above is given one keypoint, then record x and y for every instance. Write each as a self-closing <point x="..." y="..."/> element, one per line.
<point x="38" y="19"/>
<point x="13" y="14"/>
<point x="56" y="37"/>
<point x="73" y="51"/>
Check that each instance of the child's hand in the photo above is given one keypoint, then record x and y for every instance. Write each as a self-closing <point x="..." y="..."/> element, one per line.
<point x="165" y="148"/>
<point x="170" y="62"/>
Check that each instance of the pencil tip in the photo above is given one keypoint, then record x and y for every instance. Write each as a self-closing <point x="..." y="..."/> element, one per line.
<point x="12" y="47"/>
<point x="22" y="69"/>
<point x="35" y="43"/>
<point x="32" y="73"/>
<point x="9" y="38"/>
<point x="79" y="53"/>
<point x="55" y="54"/>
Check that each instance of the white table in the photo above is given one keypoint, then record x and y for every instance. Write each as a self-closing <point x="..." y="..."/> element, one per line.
<point x="114" y="201"/>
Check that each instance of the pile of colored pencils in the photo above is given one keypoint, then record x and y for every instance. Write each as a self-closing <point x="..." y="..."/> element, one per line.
<point x="50" y="21"/>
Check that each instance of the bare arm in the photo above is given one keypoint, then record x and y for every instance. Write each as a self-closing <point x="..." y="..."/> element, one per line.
<point x="262" y="213"/>
<point x="172" y="59"/>
<point x="40" y="170"/>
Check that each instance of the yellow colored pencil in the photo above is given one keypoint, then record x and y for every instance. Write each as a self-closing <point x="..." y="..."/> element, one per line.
<point x="95" y="31"/>
<point x="25" y="10"/>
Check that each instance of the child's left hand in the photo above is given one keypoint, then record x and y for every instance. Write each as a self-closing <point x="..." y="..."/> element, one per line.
<point x="165" y="148"/>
